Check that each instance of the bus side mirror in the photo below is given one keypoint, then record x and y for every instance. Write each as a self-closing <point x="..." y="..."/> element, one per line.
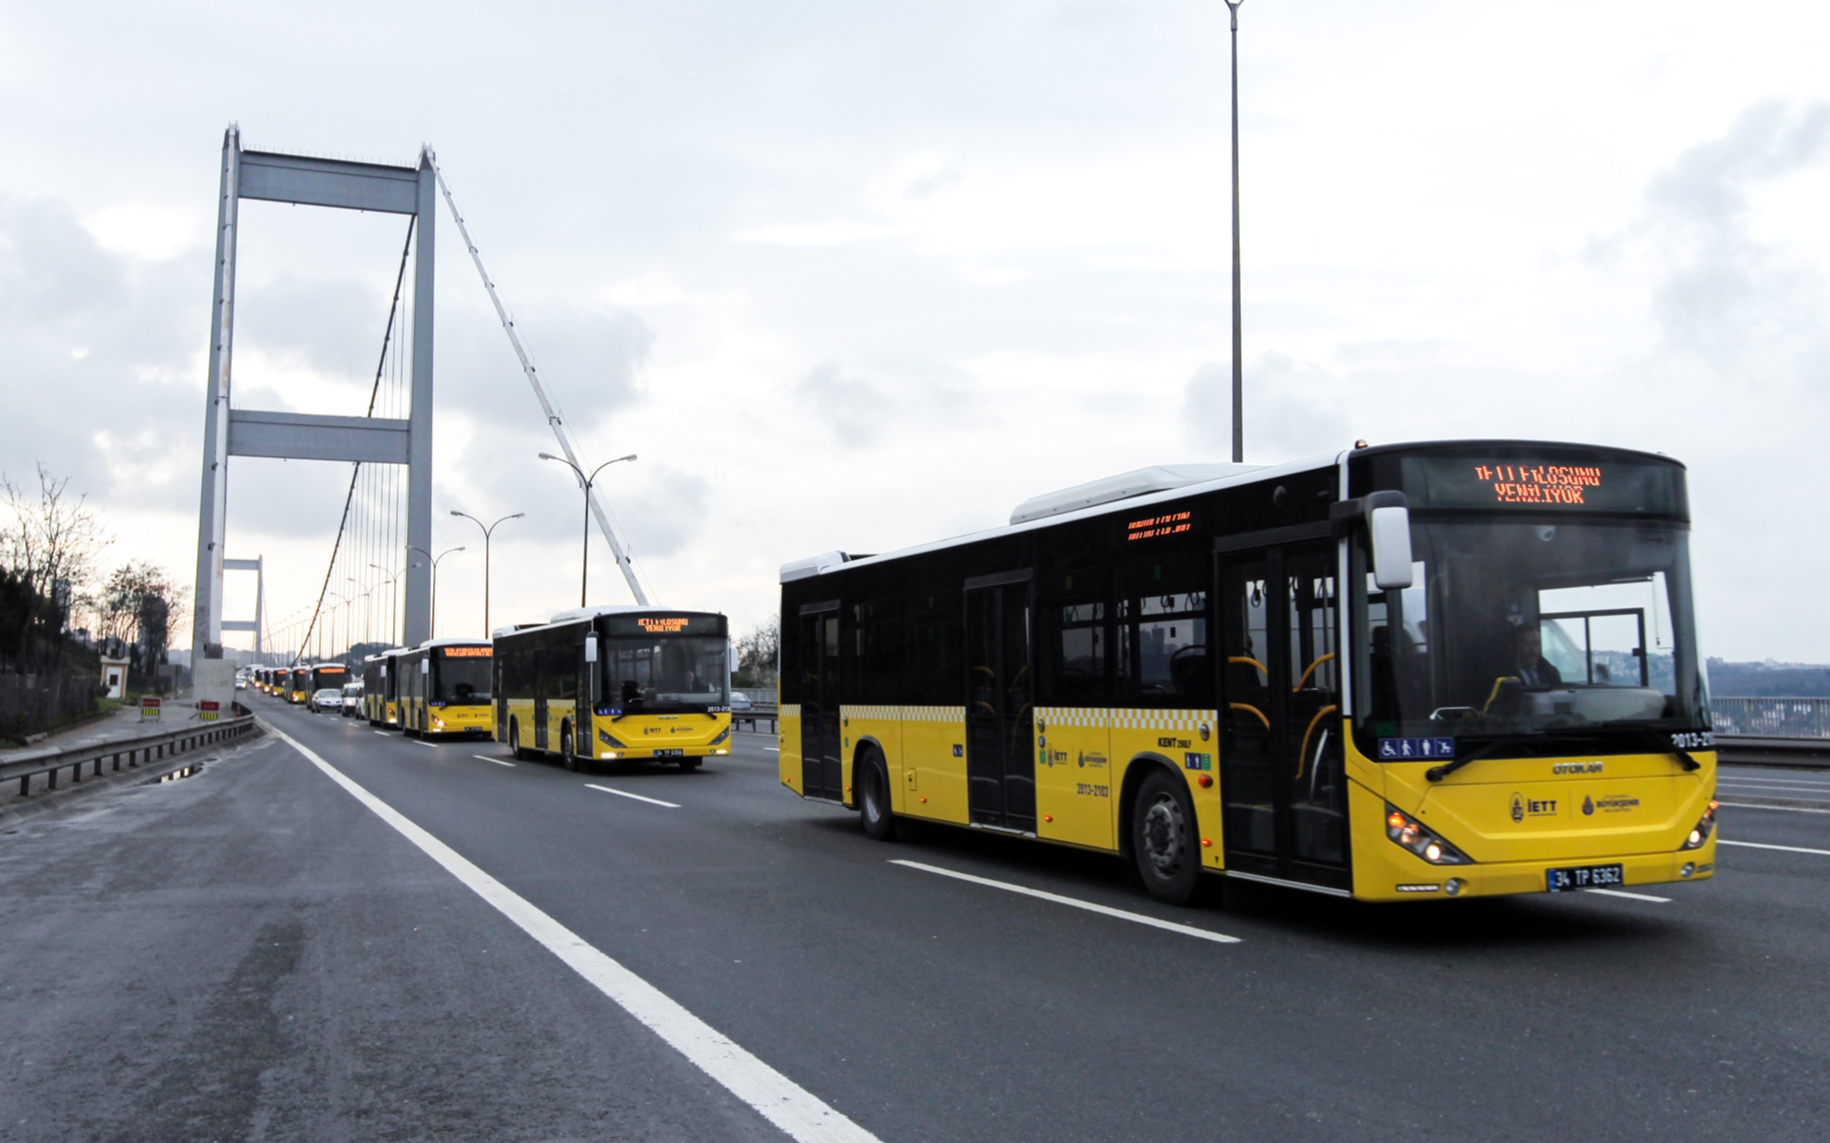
<point x="590" y="648"/>
<point x="425" y="666"/>
<point x="1391" y="547"/>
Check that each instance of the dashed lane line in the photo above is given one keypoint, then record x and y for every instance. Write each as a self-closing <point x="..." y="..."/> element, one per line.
<point x="799" y="1113"/>
<point x="497" y="761"/>
<point x="1783" y="809"/>
<point x="1103" y="910"/>
<point x="1763" y="845"/>
<point x="380" y="732"/>
<point x="427" y="745"/>
<point x="1630" y="896"/>
<point x="637" y="797"/>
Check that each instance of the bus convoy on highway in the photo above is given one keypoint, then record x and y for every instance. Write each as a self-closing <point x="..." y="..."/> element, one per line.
<point x="1405" y="672"/>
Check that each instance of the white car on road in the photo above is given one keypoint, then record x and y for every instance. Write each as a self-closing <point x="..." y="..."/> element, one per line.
<point x="330" y="698"/>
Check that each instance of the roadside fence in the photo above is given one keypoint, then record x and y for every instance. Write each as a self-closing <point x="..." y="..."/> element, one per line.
<point x="138" y="751"/>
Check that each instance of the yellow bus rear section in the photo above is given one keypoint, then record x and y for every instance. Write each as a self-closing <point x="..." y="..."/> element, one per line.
<point x="1514" y="818"/>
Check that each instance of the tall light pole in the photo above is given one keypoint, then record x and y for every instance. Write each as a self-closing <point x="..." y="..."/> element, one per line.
<point x="487" y="531"/>
<point x="435" y="559"/>
<point x="393" y="595"/>
<point x="585" y="574"/>
<point x="367" y="606"/>
<point x="1232" y="8"/>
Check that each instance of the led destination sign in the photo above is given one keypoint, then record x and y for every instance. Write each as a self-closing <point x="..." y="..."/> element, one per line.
<point x="1568" y="483"/>
<point x="1153" y="527"/>
<point x="644" y="625"/>
<point x="466" y="652"/>
<point x="663" y="625"/>
<point x="1539" y="483"/>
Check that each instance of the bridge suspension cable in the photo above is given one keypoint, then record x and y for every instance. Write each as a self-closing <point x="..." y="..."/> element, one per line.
<point x="605" y="520"/>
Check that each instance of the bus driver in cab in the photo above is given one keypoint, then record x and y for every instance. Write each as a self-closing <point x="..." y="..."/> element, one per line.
<point x="1529" y="663"/>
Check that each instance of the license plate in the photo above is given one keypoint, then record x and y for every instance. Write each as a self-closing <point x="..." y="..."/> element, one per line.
<point x="677" y="753"/>
<point x="1582" y="877"/>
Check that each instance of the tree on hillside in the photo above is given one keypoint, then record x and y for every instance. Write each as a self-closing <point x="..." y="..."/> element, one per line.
<point x="50" y="545"/>
<point x="137" y="608"/>
<point x="760" y="651"/>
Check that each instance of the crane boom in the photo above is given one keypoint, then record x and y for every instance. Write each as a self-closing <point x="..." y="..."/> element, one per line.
<point x="553" y="419"/>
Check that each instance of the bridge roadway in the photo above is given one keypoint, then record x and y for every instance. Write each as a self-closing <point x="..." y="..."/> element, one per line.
<point x="253" y="953"/>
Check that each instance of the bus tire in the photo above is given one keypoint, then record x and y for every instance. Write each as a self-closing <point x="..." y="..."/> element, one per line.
<point x="1163" y="839"/>
<point x="572" y="761"/>
<point x="514" y="741"/>
<point x="874" y="812"/>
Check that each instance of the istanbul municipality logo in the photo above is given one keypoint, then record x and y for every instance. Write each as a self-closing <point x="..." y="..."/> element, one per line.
<point x="1518" y="808"/>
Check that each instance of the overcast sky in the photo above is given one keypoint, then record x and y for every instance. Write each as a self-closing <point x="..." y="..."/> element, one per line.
<point x="861" y="275"/>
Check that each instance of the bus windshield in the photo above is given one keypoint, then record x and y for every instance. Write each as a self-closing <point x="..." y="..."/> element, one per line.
<point x="1530" y="629"/>
<point x="650" y="675"/>
<point x="461" y="681"/>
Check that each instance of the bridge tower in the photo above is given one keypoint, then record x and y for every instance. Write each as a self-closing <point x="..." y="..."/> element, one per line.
<point x="228" y="432"/>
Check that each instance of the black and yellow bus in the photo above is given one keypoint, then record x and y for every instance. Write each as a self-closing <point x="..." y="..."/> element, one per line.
<point x="616" y="684"/>
<point x="442" y="687"/>
<point x="297" y="684"/>
<point x="1405" y="672"/>
<point x="380" y="699"/>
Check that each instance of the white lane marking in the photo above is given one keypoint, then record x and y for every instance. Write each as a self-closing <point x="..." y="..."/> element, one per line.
<point x="1632" y="896"/>
<point x="427" y="745"/>
<point x="1762" y="845"/>
<point x="637" y="797"/>
<point x="799" y="1113"/>
<point x="487" y="758"/>
<point x="774" y="749"/>
<point x="1783" y="809"/>
<point x="1105" y="910"/>
<point x="378" y="732"/>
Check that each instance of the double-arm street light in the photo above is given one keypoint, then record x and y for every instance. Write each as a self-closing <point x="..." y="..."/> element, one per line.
<point x="393" y="578"/>
<point x="1232" y="8"/>
<point x="435" y="559"/>
<point x="585" y="574"/>
<point x="487" y="530"/>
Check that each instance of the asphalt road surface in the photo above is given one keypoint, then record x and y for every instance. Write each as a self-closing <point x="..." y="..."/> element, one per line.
<point x="255" y="953"/>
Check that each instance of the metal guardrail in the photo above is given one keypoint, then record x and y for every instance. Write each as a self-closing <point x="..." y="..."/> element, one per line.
<point x="754" y="714"/>
<point x="145" y="748"/>
<point x="1780" y="717"/>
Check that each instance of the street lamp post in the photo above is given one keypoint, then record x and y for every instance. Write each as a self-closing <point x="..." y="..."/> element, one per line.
<point x="584" y="574"/>
<point x="435" y="559"/>
<point x="1232" y="8"/>
<point x="487" y="531"/>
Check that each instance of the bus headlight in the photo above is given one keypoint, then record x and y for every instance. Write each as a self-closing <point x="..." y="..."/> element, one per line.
<point x="1405" y="831"/>
<point x="607" y="739"/>
<point x="722" y="735"/>
<point x="1705" y="826"/>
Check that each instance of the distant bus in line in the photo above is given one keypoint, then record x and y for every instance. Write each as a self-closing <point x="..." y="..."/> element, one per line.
<point x="1401" y="673"/>
<point x="379" y="697"/>
<point x="615" y="684"/>
<point x="442" y="687"/>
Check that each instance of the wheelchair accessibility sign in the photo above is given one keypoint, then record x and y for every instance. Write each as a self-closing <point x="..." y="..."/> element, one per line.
<point x="1398" y="749"/>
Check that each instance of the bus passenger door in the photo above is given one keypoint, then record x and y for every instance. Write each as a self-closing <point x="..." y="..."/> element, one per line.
<point x="549" y="682"/>
<point x="1282" y="783"/>
<point x="822" y="770"/>
<point x="1000" y="716"/>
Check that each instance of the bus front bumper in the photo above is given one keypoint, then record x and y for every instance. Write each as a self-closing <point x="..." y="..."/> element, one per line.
<point x="1407" y="878"/>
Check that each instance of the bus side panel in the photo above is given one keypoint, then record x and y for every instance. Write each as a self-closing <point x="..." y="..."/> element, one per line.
<point x="789" y="756"/>
<point x="934" y="745"/>
<point x="884" y="724"/>
<point x="521" y="714"/>
<point x="1074" y="785"/>
<point x="1177" y="735"/>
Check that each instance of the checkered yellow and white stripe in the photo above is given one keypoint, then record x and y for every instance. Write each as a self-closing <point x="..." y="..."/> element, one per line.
<point x="790" y="710"/>
<point x="932" y="713"/>
<point x="1065" y="716"/>
<point x="872" y="712"/>
<point x="1187" y="721"/>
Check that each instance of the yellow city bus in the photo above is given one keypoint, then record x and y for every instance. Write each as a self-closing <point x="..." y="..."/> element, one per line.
<point x="1404" y="672"/>
<point x="616" y="684"/>
<point x="297" y="684"/>
<point x="380" y="699"/>
<point x="442" y="687"/>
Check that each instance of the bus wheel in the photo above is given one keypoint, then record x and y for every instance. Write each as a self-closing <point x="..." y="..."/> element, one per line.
<point x="874" y="802"/>
<point x="514" y="741"/>
<point x="1163" y="840"/>
<point x="572" y="760"/>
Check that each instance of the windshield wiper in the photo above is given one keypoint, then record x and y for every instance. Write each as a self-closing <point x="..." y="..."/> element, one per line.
<point x="1644" y="735"/>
